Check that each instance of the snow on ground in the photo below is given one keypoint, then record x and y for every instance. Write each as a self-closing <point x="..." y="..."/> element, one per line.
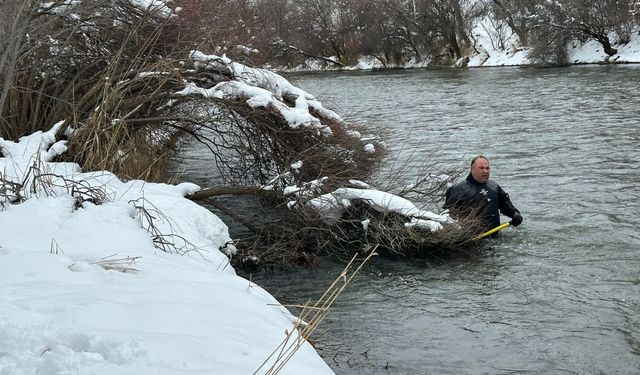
<point x="85" y="291"/>
<point x="592" y="52"/>
<point x="589" y="52"/>
<point x="510" y="54"/>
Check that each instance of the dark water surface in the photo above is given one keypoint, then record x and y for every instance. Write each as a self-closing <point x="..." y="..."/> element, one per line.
<point x="558" y="295"/>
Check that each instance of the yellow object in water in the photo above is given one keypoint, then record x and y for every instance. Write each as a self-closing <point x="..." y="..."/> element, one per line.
<point x="492" y="231"/>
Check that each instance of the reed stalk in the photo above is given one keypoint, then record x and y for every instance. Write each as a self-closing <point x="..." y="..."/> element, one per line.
<point x="310" y="318"/>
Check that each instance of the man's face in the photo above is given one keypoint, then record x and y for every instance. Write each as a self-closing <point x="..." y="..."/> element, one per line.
<point x="480" y="170"/>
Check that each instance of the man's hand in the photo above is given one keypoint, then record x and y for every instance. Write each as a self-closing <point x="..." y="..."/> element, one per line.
<point x="516" y="219"/>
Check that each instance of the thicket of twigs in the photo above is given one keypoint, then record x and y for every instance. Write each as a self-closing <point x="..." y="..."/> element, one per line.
<point x="302" y="236"/>
<point x="89" y="64"/>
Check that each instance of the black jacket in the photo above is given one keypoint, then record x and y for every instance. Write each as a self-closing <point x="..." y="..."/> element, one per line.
<point x="470" y="197"/>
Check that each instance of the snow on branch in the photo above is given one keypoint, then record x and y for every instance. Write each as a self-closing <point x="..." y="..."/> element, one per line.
<point x="332" y="205"/>
<point x="262" y="88"/>
<point x="156" y="7"/>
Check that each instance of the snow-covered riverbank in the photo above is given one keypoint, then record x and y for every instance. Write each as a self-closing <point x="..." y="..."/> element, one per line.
<point x="85" y="291"/>
<point x="589" y="52"/>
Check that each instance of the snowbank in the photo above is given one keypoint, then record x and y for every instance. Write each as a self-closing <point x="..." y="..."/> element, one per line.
<point x="85" y="291"/>
<point x="589" y="52"/>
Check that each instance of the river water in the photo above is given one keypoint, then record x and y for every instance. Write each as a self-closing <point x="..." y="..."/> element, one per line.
<point x="558" y="295"/>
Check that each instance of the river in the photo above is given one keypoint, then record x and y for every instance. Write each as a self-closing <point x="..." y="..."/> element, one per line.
<point x="558" y="295"/>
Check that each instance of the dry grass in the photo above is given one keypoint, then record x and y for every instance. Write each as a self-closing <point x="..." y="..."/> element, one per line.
<point x="147" y="215"/>
<point x="310" y="318"/>
<point x="38" y="181"/>
<point x="124" y="265"/>
<point x="110" y="82"/>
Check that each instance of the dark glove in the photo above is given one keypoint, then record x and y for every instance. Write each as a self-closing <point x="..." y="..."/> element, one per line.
<point x="516" y="219"/>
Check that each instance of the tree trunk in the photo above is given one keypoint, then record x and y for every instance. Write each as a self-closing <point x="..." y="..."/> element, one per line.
<point x="606" y="44"/>
<point x="454" y="47"/>
<point x="232" y="190"/>
<point x="307" y="54"/>
<point x="462" y="36"/>
<point x="506" y="16"/>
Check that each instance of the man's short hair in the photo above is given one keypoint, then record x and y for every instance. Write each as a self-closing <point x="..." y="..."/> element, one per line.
<point x="473" y="161"/>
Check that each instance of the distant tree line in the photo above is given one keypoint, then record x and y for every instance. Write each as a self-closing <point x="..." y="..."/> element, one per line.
<point x="286" y="32"/>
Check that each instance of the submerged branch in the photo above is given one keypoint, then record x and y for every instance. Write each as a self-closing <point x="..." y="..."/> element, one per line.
<point x="232" y="190"/>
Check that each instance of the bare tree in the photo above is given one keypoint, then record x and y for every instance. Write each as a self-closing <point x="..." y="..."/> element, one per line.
<point x="589" y="19"/>
<point x="444" y="23"/>
<point x="400" y="27"/>
<point x="517" y="14"/>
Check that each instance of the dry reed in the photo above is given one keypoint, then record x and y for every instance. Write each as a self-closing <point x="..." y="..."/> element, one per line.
<point x="310" y="318"/>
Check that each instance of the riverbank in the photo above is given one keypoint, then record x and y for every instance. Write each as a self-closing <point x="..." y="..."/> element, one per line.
<point x="108" y="277"/>
<point x="578" y="53"/>
<point x="589" y="52"/>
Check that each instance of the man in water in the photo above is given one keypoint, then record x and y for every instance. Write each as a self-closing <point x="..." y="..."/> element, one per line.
<point x="477" y="196"/>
